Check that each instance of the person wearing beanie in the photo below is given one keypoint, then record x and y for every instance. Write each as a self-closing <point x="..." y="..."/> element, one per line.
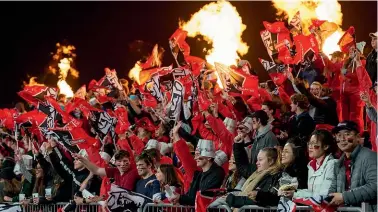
<point x="207" y="176"/>
<point x="264" y="137"/>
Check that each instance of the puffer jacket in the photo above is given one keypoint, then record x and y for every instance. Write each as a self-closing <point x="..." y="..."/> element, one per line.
<point x="319" y="181"/>
<point x="363" y="186"/>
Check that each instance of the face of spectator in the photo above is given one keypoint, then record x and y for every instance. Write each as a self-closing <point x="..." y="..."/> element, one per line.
<point x="123" y="164"/>
<point x="262" y="161"/>
<point x="315" y="148"/>
<point x="256" y="124"/>
<point x="38" y="171"/>
<point x="143" y="168"/>
<point x="160" y="131"/>
<point x="78" y="165"/>
<point x="200" y="160"/>
<point x="315" y="90"/>
<point x="267" y="110"/>
<point x="142" y="132"/>
<point x="374" y="42"/>
<point x="287" y="156"/>
<point x="232" y="165"/>
<point x="293" y="107"/>
<point x="347" y="140"/>
<point x="160" y="175"/>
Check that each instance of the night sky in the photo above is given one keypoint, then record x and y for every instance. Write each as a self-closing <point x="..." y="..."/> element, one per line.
<point x="103" y="34"/>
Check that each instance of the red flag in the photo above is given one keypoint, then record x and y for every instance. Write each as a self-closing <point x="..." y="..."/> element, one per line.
<point x="122" y="120"/>
<point x="7" y="117"/>
<point x="275" y="27"/>
<point x="82" y="105"/>
<point x="178" y="38"/>
<point x="203" y="102"/>
<point x="146" y="124"/>
<point x="196" y="64"/>
<point x="347" y="40"/>
<point x="307" y="48"/>
<point x="35" y="94"/>
<point x="363" y="78"/>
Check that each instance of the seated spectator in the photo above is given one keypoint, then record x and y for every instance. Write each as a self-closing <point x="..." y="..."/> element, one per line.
<point x="258" y="189"/>
<point x="144" y="167"/>
<point x="321" y="148"/>
<point x="234" y="179"/>
<point x="11" y="186"/>
<point x="169" y="183"/>
<point x="124" y="175"/>
<point x="264" y="137"/>
<point x="355" y="174"/>
<point x="294" y="161"/>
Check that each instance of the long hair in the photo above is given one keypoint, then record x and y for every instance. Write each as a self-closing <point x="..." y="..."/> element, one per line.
<point x="170" y="175"/>
<point x="326" y="139"/>
<point x="12" y="186"/>
<point x="273" y="154"/>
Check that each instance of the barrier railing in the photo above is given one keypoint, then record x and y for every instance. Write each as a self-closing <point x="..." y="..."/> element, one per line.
<point x="152" y="207"/>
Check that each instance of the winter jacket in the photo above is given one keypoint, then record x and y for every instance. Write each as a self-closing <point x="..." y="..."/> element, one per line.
<point x="371" y="65"/>
<point x="363" y="186"/>
<point x="324" y="108"/>
<point x="320" y="180"/>
<point x="265" y="138"/>
<point x="202" y="181"/>
<point x="301" y="125"/>
<point x="266" y="194"/>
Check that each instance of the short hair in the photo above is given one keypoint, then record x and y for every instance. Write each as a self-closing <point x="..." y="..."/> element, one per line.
<point x="144" y="157"/>
<point x="261" y="116"/>
<point x="270" y="85"/>
<point x="317" y="83"/>
<point x="120" y="154"/>
<point x="271" y="105"/>
<point x="301" y="100"/>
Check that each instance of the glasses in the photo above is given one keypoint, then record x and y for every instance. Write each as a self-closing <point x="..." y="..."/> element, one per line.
<point x="313" y="145"/>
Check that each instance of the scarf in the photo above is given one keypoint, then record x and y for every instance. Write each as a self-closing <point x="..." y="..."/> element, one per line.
<point x="255" y="178"/>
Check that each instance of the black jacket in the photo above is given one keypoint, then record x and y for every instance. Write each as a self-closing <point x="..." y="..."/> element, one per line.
<point x="301" y="125"/>
<point x="266" y="194"/>
<point x="202" y="181"/>
<point x="371" y="65"/>
<point x="325" y="108"/>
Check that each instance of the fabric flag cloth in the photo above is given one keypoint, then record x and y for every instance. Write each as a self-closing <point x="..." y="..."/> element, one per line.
<point x="7" y="117"/>
<point x="319" y="203"/>
<point x="82" y="105"/>
<point x="81" y="92"/>
<point x="347" y="40"/>
<point x="10" y="208"/>
<point x="296" y="22"/>
<point x="275" y="71"/>
<point x="110" y="80"/>
<point x="122" y="120"/>
<point x="237" y="82"/>
<point x="175" y="105"/>
<point x="307" y="48"/>
<point x="121" y="199"/>
<point x="277" y="41"/>
<point x="286" y="205"/>
<point x="103" y="123"/>
<point x="35" y="94"/>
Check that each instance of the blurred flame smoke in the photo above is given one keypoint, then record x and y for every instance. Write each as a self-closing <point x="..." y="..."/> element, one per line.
<point x="220" y="25"/>
<point x="329" y="10"/>
<point x="155" y="59"/>
<point x="32" y="82"/>
<point x="65" y="55"/>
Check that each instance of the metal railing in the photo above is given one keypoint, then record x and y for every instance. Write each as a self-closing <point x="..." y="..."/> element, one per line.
<point x="152" y="207"/>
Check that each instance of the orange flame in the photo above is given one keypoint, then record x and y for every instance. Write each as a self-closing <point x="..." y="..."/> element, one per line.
<point x="135" y="72"/>
<point x="65" y="55"/>
<point x="329" y="10"/>
<point x="220" y="24"/>
<point x="32" y="82"/>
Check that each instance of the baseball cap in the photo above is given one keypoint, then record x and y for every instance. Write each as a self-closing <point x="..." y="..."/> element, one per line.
<point x="346" y="125"/>
<point x="373" y="34"/>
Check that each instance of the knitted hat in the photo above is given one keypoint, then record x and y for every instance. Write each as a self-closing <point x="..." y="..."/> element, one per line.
<point x="205" y="148"/>
<point x="7" y="173"/>
<point x="247" y="122"/>
<point x="230" y="124"/>
<point x="220" y="157"/>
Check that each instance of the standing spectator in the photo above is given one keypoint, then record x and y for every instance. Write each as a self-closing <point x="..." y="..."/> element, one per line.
<point x="168" y="179"/>
<point x="264" y="137"/>
<point x="276" y="126"/>
<point x="371" y="61"/>
<point x="144" y="167"/>
<point x="355" y="173"/>
<point x="125" y="175"/>
<point x="210" y="176"/>
<point x="301" y="124"/>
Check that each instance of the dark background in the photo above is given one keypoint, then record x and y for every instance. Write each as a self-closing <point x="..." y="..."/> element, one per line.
<point x="104" y="35"/>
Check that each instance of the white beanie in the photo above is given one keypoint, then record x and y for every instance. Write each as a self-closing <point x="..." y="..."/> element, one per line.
<point x="220" y="157"/>
<point x="152" y="144"/>
<point x="230" y="124"/>
<point x="206" y="148"/>
<point x="247" y="122"/>
<point x="162" y="147"/>
<point x="28" y="161"/>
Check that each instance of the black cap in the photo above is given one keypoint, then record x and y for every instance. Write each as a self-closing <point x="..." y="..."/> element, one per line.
<point x="346" y="125"/>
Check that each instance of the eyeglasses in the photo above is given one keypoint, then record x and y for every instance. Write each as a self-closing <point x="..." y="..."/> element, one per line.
<point x="313" y="145"/>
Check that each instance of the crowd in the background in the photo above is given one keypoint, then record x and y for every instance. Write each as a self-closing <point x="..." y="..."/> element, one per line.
<point x="302" y="138"/>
